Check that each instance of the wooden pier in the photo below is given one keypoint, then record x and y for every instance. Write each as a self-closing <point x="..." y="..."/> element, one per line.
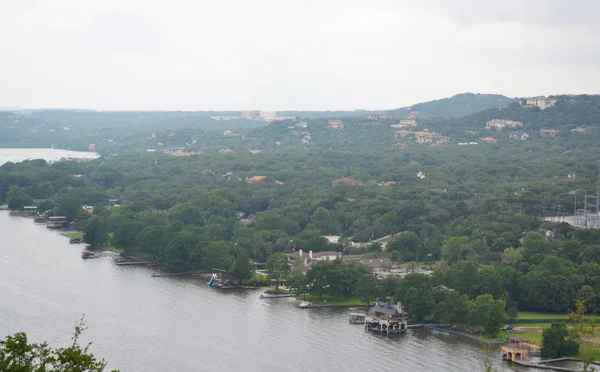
<point x="544" y="366"/>
<point x="134" y="263"/>
<point x="276" y="295"/>
<point x="176" y="274"/>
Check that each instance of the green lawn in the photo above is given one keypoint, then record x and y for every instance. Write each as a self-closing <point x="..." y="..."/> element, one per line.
<point x="533" y="332"/>
<point x="532" y="315"/>
<point x="540" y="316"/>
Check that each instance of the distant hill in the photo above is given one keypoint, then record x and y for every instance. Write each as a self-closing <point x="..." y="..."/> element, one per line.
<point x="457" y="106"/>
<point x="569" y="113"/>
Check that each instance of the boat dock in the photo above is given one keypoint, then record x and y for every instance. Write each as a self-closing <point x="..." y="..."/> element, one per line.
<point x="357" y="318"/>
<point x="175" y="274"/>
<point x="544" y="366"/>
<point x="134" y="263"/>
<point x="276" y="295"/>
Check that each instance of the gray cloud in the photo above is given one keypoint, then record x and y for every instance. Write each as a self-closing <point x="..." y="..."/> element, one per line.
<point x="198" y="54"/>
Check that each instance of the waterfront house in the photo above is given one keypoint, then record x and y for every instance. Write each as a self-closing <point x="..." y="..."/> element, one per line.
<point x="30" y="210"/>
<point x="385" y="317"/>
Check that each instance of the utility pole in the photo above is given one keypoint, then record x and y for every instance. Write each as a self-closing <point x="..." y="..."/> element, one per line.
<point x="585" y="207"/>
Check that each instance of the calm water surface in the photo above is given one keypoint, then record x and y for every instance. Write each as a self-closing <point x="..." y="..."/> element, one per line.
<point x="145" y="324"/>
<point x="18" y="155"/>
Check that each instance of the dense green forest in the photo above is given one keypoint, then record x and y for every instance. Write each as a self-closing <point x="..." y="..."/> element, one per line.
<point x="475" y="213"/>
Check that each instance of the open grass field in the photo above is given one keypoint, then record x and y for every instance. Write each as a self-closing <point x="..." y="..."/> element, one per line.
<point x="533" y="315"/>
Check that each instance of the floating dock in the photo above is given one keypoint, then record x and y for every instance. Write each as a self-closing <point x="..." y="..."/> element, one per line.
<point x="357" y="318"/>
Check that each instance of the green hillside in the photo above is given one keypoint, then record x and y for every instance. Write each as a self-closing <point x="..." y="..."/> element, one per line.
<point x="457" y="106"/>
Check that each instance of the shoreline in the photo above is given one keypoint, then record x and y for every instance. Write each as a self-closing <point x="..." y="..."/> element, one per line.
<point x="311" y="304"/>
<point x="450" y="332"/>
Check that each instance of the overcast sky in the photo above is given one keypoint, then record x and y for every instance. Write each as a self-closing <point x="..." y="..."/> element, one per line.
<point x="288" y="54"/>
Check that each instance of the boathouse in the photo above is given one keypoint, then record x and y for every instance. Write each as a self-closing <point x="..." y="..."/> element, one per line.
<point x="517" y="348"/>
<point x="30" y="210"/>
<point x="224" y="279"/>
<point x="385" y="317"/>
<point x="57" y="222"/>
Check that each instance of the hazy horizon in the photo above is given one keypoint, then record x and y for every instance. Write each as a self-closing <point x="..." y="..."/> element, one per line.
<point x="189" y="55"/>
<point x="9" y="108"/>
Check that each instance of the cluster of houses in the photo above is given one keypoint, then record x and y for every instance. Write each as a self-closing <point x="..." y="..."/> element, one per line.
<point x="382" y="267"/>
<point x="499" y="124"/>
<point x="377" y="264"/>
<point x="541" y="102"/>
<point x="424" y="136"/>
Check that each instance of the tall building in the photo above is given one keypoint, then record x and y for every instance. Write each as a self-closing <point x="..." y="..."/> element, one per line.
<point x="268" y="115"/>
<point x="250" y="114"/>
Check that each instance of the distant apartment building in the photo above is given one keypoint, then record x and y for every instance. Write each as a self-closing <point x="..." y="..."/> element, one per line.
<point x="336" y="123"/>
<point x="268" y="115"/>
<point x="499" y="124"/>
<point x="250" y="114"/>
<point x="377" y="115"/>
<point x="540" y="101"/>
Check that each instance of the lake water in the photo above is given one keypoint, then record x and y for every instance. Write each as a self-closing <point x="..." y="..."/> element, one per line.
<point x="18" y="155"/>
<point x="146" y="324"/>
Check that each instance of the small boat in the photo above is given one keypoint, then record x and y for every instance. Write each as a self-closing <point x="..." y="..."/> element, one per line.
<point x="304" y="304"/>
<point x="87" y="255"/>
